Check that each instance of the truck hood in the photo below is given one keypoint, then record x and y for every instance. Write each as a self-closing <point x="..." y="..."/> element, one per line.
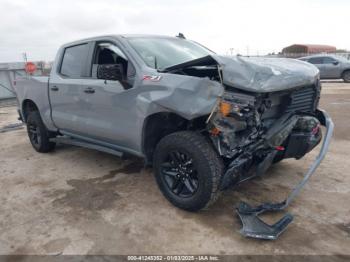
<point x="266" y="74"/>
<point x="257" y="74"/>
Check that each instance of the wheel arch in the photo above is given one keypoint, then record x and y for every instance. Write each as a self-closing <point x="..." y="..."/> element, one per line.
<point x="28" y="106"/>
<point x="159" y="125"/>
<point x="344" y="71"/>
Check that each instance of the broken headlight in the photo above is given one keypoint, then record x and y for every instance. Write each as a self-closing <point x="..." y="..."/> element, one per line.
<point x="229" y="125"/>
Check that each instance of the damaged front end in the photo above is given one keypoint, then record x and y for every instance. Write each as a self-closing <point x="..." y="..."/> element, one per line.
<point x="267" y="113"/>
<point x="251" y="132"/>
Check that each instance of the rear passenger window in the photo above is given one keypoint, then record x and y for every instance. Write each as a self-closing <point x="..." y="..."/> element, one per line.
<point x="74" y="60"/>
<point x="316" y="60"/>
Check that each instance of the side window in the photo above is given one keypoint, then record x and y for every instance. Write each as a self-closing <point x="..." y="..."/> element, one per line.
<point x="74" y="60"/>
<point x="108" y="53"/>
<point x="316" y="60"/>
<point x="328" y="60"/>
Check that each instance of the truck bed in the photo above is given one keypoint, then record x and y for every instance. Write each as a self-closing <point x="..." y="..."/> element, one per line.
<point x="35" y="88"/>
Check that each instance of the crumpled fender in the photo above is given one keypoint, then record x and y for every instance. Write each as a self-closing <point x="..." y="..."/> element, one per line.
<point x="191" y="97"/>
<point x="187" y="96"/>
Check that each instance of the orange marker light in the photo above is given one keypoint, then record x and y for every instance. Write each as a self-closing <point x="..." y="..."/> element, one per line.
<point x="225" y="108"/>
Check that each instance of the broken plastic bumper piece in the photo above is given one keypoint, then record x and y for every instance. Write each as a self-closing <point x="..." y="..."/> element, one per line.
<point x="253" y="226"/>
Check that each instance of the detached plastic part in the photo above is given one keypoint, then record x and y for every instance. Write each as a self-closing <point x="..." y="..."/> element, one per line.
<point x="253" y="226"/>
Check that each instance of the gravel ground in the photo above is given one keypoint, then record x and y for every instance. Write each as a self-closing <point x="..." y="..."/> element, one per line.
<point x="79" y="201"/>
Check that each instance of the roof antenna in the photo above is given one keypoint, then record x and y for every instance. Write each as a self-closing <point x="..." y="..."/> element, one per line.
<point x="181" y="35"/>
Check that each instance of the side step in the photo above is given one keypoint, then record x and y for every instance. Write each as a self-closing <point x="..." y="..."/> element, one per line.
<point x="77" y="142"/>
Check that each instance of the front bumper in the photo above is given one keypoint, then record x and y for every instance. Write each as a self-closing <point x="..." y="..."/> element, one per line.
<point x="253" y="226"/>
<point x="327" y="122"/>
<point x="294" y="144"/>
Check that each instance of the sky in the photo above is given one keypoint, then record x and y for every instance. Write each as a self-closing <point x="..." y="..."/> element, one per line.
<point x="253" y="27"/>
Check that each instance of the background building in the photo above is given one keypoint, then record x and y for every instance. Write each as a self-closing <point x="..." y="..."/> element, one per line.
<point x="299" y="50"/>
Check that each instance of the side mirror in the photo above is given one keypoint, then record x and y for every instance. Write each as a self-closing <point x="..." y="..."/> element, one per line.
<point x="110" y="72"/>
<point x="335" y="63"/>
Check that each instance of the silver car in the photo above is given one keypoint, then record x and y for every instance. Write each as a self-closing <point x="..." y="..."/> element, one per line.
<point x="330" y="66"/>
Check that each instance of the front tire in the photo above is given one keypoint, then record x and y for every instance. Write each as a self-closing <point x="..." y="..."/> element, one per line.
<point x="38" y="134"/>
<point x="188" y="170"/>
<point x="346" y="76"/>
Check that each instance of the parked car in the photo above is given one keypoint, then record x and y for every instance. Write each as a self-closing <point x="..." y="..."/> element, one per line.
<point x="203" y="121"/>
<point x="331" y="67"/>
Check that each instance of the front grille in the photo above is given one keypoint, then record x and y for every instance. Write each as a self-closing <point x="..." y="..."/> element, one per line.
<point x="303" y="100"/>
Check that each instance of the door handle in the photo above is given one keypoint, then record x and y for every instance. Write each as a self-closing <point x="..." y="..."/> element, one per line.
<point x="89" y="90"/>
<point x="54" y="88"/>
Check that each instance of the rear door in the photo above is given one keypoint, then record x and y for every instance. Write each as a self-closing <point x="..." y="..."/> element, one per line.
<point x="332" y="67"/>
<point x="66" y="89"/>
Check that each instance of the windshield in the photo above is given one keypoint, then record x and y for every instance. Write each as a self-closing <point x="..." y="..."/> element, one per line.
<point x="161" y="53"/>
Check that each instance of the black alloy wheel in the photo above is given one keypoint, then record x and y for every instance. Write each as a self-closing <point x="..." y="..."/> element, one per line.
<point x="38" y="134"/>
<point x="34" y="134"/>
<point x="180" y="174"/>
<point x="188" y="170"/>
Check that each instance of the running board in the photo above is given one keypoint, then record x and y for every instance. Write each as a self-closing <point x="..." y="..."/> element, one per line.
<point x="252" y="225"/>
<point x="77" y="142"/>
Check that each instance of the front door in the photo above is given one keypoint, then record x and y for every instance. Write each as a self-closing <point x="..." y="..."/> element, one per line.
<point x="318" y="62"/>
<point x="112" y="105"/>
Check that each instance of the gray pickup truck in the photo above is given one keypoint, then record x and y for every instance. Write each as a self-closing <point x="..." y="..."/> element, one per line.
<point x="203" y="121"/>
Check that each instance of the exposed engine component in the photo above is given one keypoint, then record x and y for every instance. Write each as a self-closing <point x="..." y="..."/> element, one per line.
<point x="251" y="132"/>
<point x="234" y="124"/>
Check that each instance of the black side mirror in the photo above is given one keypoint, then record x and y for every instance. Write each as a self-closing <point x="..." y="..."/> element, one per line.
<point x="110" y="72"/>
<point x="335" y="63"/>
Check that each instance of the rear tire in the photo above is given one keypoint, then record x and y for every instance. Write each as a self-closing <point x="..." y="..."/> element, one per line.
<point x="188" y="170"/>
<point x="346" y="76"/>
<point x="38" y="134"/>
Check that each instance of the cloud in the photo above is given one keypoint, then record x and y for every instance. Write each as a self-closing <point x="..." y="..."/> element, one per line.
<point x="40" y="27"/>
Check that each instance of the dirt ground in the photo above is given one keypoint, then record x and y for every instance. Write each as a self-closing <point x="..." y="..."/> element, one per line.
<point x="79" y="201"/>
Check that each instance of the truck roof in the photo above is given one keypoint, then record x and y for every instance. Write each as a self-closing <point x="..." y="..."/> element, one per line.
<point x="96" y="38"/>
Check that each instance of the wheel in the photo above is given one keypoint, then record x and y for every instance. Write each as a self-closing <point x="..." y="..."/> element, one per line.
<point x="346" y="76"/>
<point x="187" y="170"/>
<point x="38" y="134"/>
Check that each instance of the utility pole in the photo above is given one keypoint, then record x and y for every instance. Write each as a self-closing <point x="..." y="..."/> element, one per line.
<point x="25" y="57"/>
<point x="231" y="51"/>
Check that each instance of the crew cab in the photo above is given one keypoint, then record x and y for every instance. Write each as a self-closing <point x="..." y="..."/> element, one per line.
<point x="203" y="121"/>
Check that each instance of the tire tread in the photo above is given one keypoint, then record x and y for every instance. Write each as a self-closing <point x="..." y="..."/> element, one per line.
<point x="202" y="145"/>
<point x="46" y="146"/>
